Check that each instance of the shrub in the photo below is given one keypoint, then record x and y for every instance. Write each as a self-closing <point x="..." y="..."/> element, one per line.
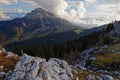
<point x="103" y="61"/>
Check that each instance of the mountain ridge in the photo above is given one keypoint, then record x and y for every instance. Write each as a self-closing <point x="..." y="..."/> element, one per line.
<point x="37" y="22"/>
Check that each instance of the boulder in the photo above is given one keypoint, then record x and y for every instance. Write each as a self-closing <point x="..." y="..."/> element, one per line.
<point x="34" y="68"/>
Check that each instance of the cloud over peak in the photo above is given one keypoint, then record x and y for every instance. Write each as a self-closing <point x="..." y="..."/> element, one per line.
<point x="70" y="10"/>
<point x="81" y="12"/>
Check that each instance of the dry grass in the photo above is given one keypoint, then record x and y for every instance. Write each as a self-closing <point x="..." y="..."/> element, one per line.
<point x="83" y="74"/>
<point x="8" y="63"/>
<point x="103" y="61"/>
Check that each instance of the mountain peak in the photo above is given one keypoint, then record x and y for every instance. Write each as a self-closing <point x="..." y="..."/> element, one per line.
<point x="37" y="10"/>
<point x="39" y="13"/>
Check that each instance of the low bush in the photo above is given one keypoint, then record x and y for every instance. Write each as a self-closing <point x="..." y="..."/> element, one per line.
<point x="103" y="61"/>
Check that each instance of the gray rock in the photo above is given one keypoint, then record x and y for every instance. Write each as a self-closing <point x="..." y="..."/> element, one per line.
<point x="104" y="47"/>
<point x="102" y="71"/>
<point x="113" y="50"/>
<point x="10" y="54"/>
<point x="90" y="51"/>
<point x="8" y="74"/>
<point x="116" y="73"/>
<point x="92" y="58"/>
<point x="34" y="68"/>
<point x="25" y="59"/>
<point x="118" y="53"/>
<point x="116" y="31"/>
<point x="90" y="77"/>
<point x="107" y="77"/>
<point x="80" y="67"/>
<point x="2" y="74"/>
<point x="98" y="78"/>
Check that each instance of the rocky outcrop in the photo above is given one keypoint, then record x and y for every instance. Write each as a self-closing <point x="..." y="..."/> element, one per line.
<point x="115" y="32"/>
<point x="34" y="68"/>
<point x="7" y="54"/>
<point x="88" y="58"/>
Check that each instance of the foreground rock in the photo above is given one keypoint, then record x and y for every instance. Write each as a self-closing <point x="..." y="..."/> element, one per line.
<point x="34" y="68"/>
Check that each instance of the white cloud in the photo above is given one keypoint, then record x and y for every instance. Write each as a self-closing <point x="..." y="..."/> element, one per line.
<point x="77" y="10"/>
<point x="54" y="6"/>
<point x="3" y="15"/>
<point x="11" y="14"/>
<point x="90" y="1"/>
<point x="58" y="7"/>
<point x="106" y="7"/>
<point x="8" y="1"/>
<point x="82" y="12"/>
<point x="18" y="10"/>
<point x="110" y="1"/>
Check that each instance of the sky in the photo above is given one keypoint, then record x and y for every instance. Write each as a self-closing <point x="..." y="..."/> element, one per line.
<point x="87" y="13"/>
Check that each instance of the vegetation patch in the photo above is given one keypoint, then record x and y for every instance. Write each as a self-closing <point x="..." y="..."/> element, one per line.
<point x="107" y="60"/>
<point x="8" y="63"/>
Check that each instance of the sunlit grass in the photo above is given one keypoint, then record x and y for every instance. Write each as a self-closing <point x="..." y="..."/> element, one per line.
<point x="8" y="63"/>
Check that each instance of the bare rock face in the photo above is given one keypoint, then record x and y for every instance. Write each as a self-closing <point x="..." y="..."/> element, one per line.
<point x="34" y="68"/>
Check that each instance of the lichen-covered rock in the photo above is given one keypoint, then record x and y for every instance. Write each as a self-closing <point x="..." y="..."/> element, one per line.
<point x="34" y="68"/>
